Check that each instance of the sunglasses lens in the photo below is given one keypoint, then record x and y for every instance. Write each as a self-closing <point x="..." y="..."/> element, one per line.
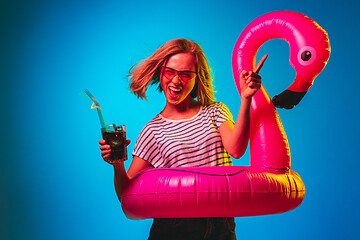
<point x="186" y="75"/>
<point x="171" y="73"/>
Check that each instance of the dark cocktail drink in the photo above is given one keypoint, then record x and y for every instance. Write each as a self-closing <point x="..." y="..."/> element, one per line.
<point x="115" y="136"/>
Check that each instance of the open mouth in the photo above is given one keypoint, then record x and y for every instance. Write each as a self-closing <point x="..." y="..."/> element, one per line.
<point x="174" y="90"/>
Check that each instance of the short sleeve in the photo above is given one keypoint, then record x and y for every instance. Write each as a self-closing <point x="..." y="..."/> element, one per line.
<point x="221" y="114"/>
<point x="146" y="147"/>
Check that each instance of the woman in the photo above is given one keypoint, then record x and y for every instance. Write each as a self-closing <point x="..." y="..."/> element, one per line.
<point x="191" y="131"/>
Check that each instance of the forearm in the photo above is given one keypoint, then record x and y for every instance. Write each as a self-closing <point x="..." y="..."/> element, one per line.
<point x="120" y="178"/>
<point x="241" y="132"/>
<point x="236" y="137"/>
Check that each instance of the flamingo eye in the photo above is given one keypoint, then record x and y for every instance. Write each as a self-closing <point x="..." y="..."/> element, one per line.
<point x="306" y="55"/>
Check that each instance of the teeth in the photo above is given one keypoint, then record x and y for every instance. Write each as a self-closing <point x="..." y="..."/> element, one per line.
<point x="177" y="90"/>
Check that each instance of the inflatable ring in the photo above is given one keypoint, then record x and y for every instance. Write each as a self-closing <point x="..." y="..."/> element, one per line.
<point x="268" y="185"/>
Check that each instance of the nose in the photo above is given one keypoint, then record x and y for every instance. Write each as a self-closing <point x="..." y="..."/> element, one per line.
<point x="176" y="79"/>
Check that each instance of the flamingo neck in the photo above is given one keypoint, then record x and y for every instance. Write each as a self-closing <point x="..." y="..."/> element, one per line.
<point x="269" y="146"/>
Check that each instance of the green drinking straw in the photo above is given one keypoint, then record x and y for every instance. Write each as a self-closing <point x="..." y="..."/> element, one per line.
<point x="101" y="117"/>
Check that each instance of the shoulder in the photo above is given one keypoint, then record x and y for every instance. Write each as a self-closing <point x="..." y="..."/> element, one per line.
<point x="214" y="104"/>
<point x="156" y="121"/>
<point x="151" y="125"/>
<point x="219" y="112"/>
<point x="215" y="107"/>
<point x="147" y="134"/>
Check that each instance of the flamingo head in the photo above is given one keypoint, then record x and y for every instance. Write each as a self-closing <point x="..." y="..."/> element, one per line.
<point x="309" y="54"/>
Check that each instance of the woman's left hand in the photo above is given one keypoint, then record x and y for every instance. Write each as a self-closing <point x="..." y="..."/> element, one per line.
<point x="250" y="82"/>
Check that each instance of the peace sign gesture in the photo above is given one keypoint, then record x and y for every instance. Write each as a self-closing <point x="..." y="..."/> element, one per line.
<point x="250" y="82"/>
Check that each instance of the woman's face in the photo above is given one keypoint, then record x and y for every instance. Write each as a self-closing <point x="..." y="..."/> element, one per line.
<point x="178" y="78"/>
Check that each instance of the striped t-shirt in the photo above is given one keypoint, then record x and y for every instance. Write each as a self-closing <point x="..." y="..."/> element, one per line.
<point x="194" y="142"/>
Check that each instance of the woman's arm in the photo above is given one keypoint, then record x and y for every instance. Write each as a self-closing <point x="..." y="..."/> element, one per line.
<point x="121" y="177"/>
<point x="235" y="138"/>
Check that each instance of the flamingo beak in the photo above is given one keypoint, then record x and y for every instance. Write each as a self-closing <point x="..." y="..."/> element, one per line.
<point x="287" y="99"/>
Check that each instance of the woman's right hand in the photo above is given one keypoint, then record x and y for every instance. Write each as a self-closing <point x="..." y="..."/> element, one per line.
<point x="105" y="150"/>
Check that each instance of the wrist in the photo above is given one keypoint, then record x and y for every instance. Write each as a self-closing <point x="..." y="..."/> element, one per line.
<point x="119" y="168"/>
<point x="117" y="163"/>
<point x="246" y="100"/>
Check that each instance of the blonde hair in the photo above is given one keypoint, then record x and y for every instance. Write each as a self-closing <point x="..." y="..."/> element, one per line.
<point x="148" y="71"/>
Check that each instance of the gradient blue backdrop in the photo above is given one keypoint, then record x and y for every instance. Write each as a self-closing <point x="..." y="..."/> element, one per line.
<point x="53" y="182"/>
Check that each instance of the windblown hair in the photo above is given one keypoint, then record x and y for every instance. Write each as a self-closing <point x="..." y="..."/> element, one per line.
<point x="148" y="71"/>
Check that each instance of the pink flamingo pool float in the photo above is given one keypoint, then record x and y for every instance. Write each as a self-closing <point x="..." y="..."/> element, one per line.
<point x="268" y="185"/>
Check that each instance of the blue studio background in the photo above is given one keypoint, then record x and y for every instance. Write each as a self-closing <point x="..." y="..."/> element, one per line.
<point x="53" y="182"/>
